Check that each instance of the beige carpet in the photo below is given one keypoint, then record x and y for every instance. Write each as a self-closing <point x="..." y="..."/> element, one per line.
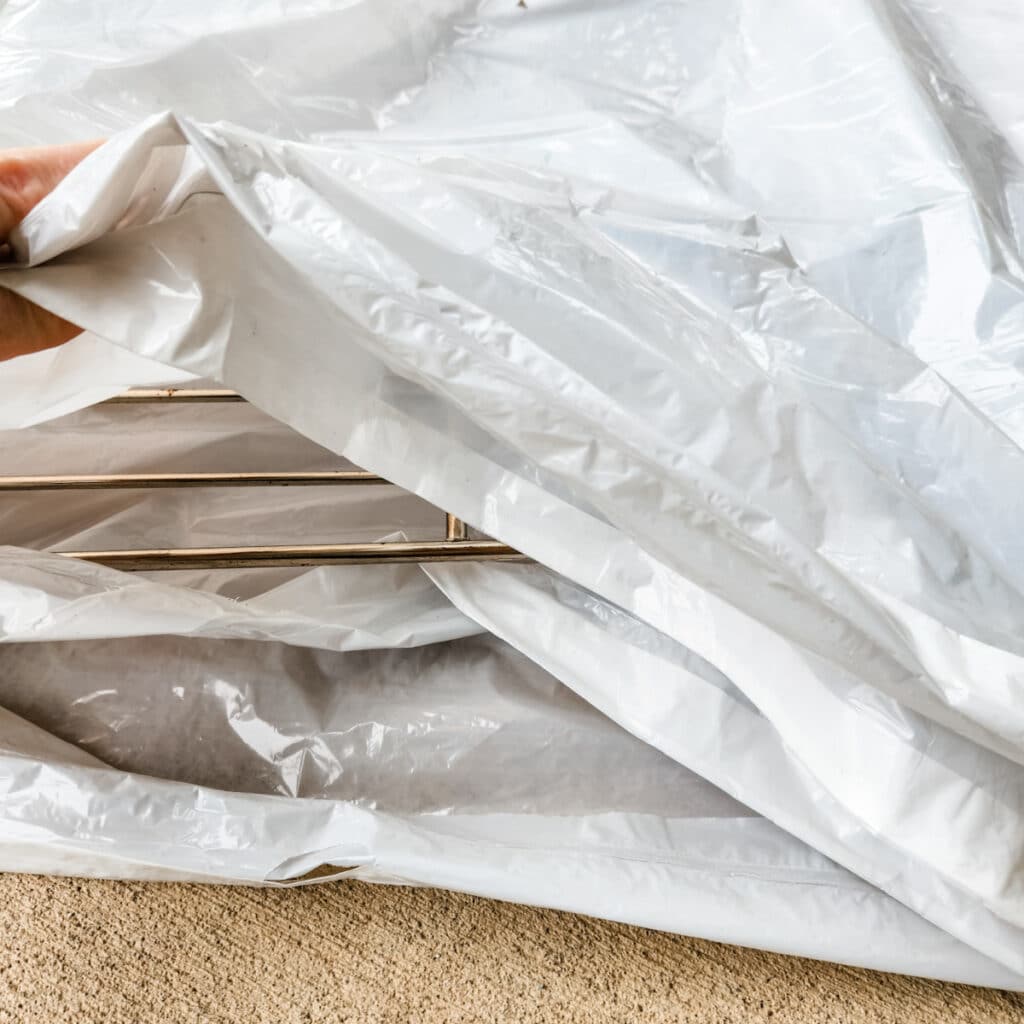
<point x="114" y="952"/>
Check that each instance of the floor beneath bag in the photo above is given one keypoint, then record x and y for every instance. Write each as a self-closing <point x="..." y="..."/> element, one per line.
<point x="115" y="952"/>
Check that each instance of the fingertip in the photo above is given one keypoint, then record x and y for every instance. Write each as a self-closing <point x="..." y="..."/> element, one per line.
<point x="26" y="328"/>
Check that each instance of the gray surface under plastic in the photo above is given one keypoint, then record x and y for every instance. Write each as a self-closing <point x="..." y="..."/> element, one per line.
<point x="713" y="309"/>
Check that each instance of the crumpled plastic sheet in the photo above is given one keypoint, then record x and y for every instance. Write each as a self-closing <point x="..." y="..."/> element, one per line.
<point x="714" y="310"/>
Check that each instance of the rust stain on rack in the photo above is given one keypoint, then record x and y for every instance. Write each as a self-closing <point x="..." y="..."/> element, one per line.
<point x="175" y="395"/>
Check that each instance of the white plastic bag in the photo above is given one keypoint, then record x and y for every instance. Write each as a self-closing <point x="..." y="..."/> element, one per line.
<point x="714" y="310"/>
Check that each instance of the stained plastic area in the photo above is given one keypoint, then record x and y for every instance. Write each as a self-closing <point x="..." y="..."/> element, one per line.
<point x="713" y="310"/>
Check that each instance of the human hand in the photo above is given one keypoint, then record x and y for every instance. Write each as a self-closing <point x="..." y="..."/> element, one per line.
<point x="26" y="177"/>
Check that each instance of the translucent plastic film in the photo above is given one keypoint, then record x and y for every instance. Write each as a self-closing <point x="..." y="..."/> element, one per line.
<point x="713" y="310"/>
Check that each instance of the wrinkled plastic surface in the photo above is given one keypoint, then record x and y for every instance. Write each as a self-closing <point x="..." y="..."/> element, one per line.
<point x="713" y="309"/>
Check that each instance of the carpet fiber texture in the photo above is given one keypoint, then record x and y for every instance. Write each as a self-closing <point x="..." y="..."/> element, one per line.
<point x="112" y="952"/>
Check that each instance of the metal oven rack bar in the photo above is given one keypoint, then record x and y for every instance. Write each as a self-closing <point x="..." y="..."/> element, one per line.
<point x="455" y="546"/>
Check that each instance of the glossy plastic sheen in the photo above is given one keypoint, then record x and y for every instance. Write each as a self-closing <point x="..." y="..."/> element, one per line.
<point x="715" y="310"/>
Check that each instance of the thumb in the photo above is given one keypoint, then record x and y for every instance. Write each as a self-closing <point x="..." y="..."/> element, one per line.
<point x="29" y="175"/>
